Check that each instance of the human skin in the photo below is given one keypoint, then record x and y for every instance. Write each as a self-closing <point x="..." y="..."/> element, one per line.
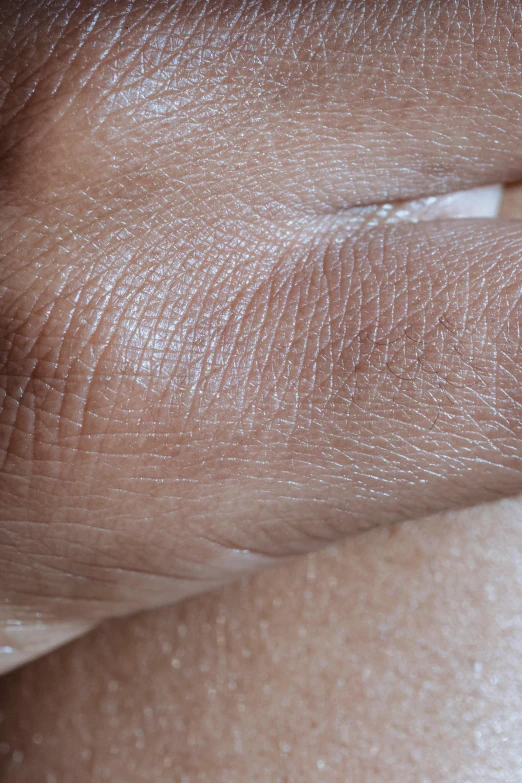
<point x="156" y="196"/>
<point x="216" y="350"/>
<point x="395" y="657"/>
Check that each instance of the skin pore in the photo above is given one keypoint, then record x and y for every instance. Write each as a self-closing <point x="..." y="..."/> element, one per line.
<point x="221" y="347"/>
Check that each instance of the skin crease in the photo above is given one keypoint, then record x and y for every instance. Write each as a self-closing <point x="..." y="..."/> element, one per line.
<point x="466" y="727"/>
<point x="215" y="353"/>
<point x="395" y="656"/>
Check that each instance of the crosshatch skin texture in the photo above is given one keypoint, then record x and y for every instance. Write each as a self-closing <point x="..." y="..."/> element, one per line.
<point x="214" y="350"/>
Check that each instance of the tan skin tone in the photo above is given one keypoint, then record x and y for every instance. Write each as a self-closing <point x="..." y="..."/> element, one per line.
<point x="394" y="657"/>
<point x="213" y="353"/>
<point x="210" y="346"/>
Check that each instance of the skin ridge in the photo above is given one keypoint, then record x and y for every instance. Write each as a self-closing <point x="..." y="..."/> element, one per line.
<point x="194" y="362"/>
<point x="67" y="95"/>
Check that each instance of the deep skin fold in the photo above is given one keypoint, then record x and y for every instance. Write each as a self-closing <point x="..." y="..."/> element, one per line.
<point x="204" y="349"/>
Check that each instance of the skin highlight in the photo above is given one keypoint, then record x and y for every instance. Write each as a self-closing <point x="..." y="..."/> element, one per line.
<point x="216" y="354"/>
<point x="409" y="631"/>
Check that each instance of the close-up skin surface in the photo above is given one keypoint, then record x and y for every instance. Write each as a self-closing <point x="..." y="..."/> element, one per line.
<point x="227" y="335"/>
<point x="258" y="295"/>
<point x="395" y="657"/>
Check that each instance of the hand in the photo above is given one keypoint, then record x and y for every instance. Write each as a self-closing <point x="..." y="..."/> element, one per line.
<point x="219" y="347"/>
<point x="392" y="657"/>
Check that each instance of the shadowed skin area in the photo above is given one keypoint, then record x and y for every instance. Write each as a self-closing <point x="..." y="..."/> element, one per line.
<point x="221" y="345"/>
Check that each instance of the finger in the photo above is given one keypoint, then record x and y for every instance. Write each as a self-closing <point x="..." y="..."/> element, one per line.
<point x="390" y="627"/>
<point x="375" y="101"/>
<point x="46" y="608"/>
<point x="355" y="382"/>
<point x="164" y="290"/>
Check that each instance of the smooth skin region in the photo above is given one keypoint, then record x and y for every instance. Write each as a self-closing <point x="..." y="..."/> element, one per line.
<point x="395" y="657"/>
<point x="218" y="347"/>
